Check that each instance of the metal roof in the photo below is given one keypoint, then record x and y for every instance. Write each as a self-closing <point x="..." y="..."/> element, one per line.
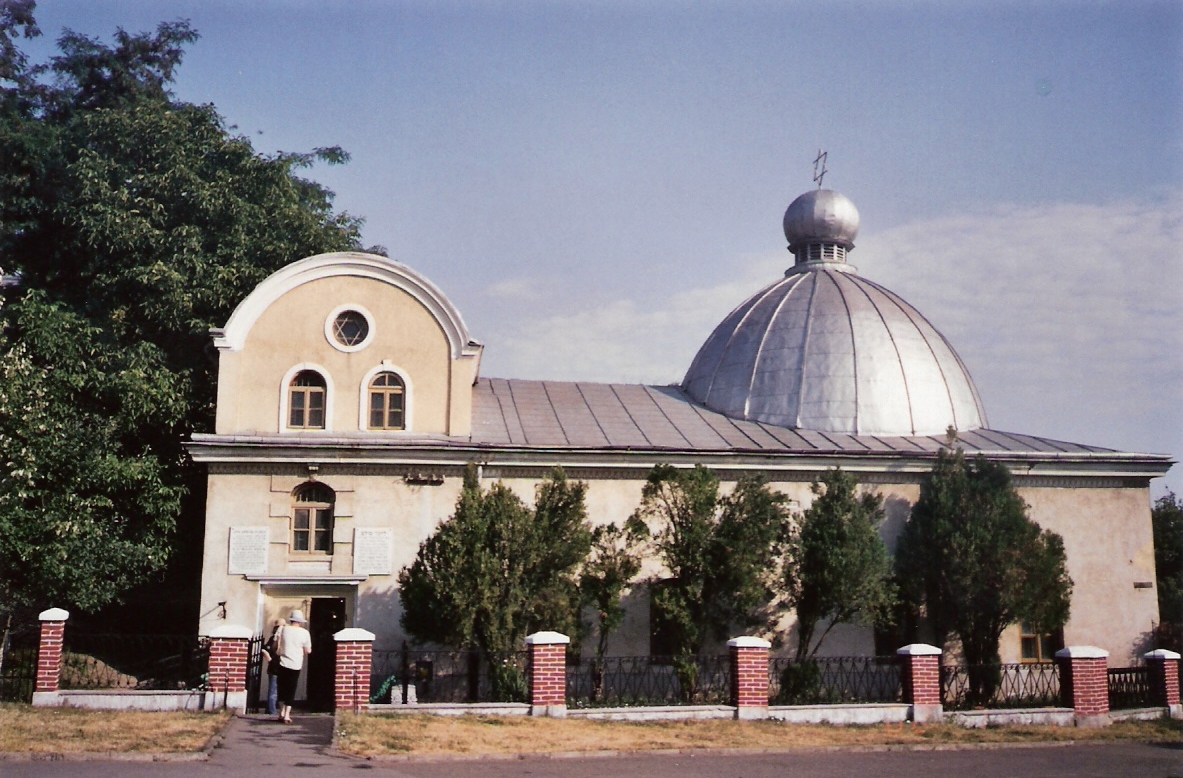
<point x="561" y="414"/>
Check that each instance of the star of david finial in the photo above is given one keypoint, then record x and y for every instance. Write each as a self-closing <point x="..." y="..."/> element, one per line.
<point x="819" y="167"/>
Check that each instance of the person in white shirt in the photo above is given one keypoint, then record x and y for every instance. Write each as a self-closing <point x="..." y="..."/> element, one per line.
<point x="294" y="644"/>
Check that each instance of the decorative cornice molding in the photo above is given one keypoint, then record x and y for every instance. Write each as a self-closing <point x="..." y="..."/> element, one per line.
<point x="346" y="263"/>
<point x="368" y="456"/>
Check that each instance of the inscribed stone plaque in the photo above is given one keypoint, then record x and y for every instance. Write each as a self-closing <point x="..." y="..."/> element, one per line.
<point x="248" y="550"/>
<point x="372" y="551"/>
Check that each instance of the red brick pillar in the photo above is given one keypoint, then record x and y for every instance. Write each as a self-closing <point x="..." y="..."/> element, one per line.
<point x="920" y="675"/>
<point x="1163" y="668"/>
<point x="548" y="674"/>
<point x="749" y="677"/>
<point x="1084" y="683"/>
<point x="49" y="657"/>
<point x="228" y="649"/>
<point x="351" y="673"/>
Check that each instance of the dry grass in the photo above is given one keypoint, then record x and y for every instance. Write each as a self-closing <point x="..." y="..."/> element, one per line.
<point x="72" y="730"/>
<point x="374" y="735"/>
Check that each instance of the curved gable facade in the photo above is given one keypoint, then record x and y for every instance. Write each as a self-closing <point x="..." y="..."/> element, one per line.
<point x="286" y="329"/>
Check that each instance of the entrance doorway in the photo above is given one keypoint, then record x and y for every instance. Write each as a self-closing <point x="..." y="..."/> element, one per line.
<point x="326" y="617"/>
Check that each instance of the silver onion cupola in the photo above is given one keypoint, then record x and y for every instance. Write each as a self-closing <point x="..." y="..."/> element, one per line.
<point x="827" y="350"/>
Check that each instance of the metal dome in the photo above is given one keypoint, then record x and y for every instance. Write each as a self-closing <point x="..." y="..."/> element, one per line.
<point x="826" y="350"/>
<point x="822" y="215"/>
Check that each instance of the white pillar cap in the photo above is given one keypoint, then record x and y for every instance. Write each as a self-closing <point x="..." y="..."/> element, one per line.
<point x="231" y="631"/>
<point x="747" y="641"/>
<point x="354" y="634"/>
<point x="54" y="614"/>
<point x="918" y="649"/>
<point x="1082" y="652"/>
<point x="1161" y="653"/>
<point x="547" y="639"/>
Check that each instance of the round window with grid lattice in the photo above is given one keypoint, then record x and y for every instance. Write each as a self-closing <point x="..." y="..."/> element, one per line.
<point x="349" y="328"/>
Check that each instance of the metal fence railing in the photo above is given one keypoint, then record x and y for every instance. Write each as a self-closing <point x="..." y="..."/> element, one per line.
<point x="834" y="680"/>
<point x="1129" y="687"/>
<point x="649" y="680"/>
<point x="134" y="661"/>
<point x="1025" y="685"/>
<point x="447" y="676"/>
<point x="18" y="667"/>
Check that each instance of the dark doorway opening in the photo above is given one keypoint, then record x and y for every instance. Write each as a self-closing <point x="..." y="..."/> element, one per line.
<point x="326" y="617"/>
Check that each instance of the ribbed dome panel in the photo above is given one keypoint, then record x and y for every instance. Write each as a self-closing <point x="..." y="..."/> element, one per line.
<point x="826" y="350"/>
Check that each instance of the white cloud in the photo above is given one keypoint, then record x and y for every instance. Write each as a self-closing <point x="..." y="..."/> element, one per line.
<point x="627" y="340"/>
<point x="1069" y="317"/>
<point x="524" y="289"/>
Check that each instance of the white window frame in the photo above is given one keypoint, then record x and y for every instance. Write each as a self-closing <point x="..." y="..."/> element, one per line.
<point x="363" y="401"/>
<point x="332" y="318"/>
<point x="285" y="388"/>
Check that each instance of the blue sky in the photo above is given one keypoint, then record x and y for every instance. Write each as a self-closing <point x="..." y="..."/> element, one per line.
<point x="596" y="184"/>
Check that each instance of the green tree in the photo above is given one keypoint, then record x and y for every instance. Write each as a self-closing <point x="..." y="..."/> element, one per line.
<point x="1167" y="520"/>
<point x="608" y="573"/>
<point x="146" y="219"/>
<point x="722" y="556"/>
<point x="84" y="514"/>
<point x="837" y="569"/>
<point x="973" y="563"/>
<point x="496" y="571"/>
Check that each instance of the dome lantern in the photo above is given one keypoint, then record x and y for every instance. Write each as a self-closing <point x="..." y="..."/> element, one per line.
<point x="821" y="226"/>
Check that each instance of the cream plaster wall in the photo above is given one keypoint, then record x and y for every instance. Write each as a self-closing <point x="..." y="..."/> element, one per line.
<point x="291" y="332"/>
<point x="1106" y="533"/>
<point x="1108" y="540"/>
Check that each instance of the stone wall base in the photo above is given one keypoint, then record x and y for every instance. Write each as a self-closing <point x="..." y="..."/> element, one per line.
<point x="549" y="711"/>
<point x="131" y="699"/>
<point x="978" y="719"/>
<point x="47" y="699"/>
<point x="1097" y="720"/>
<point x="839" y="715"/>
<point x="926" y="714"/>
<point x="1139" y="714"/>
<point x="751" y="713"/>
<point x="657" y="713"/>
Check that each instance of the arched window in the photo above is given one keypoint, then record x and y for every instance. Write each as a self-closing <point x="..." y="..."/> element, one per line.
<point x="312" y="519"/>
<point x="306" y="401"/>
<point x="387" y="402"/>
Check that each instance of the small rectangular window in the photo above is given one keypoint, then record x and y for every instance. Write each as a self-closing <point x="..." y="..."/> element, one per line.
<point x="324" y="528"/>
<point x="1038" y="647"/>
<point x="316" y="410"/>
<point x="300" y="530"/>
<point x="376" y="410"/>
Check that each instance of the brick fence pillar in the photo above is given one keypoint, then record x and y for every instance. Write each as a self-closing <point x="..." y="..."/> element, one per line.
<point x="749" y="677"/>
<point x="228" y="649"/>
<point x="548" y="673"/>
<point x="920" y="675"/>
<point x="49" y="657"/>
<point x="1084" y="683"/>
<point x="1163" y="668"/>
<point x="351" y="671"/>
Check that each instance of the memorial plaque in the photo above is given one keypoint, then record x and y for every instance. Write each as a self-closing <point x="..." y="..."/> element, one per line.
<point x="372" y="551"/>
<point x="248" y="551"/>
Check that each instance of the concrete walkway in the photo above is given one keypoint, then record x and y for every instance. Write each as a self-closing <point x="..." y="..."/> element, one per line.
<point x="261" y="741"/>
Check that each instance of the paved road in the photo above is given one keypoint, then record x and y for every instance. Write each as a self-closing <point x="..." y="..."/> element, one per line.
<point x="255" y="747"/>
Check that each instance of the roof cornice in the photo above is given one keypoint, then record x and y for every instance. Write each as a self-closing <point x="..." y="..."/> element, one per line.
<point x="438" y="452"/>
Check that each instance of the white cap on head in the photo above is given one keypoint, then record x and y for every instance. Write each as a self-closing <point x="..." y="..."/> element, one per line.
<point x="297" y="616"/>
